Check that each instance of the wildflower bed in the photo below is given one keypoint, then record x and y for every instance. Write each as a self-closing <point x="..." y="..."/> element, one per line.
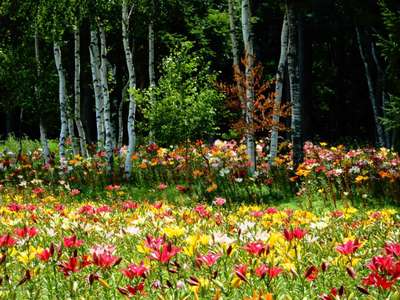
<point x="57" y="248"/>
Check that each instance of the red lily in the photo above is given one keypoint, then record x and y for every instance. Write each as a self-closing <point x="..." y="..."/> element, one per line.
<point x="154" y="243"/>
<point x="393" y="249"/>
<point x="135" y="271"/>
<point x="296" y="233"/>
<point x="348" y="248"/>
<point x="7" y="241"/>
<point x="311" y="273"/>
<point x="103" y="256"/>
<point x="44" y="255"/>
<point x="264" y="270"/>
<point x="26" y="232"/>
<point x="202" y="211"/>
<point x="131" y="291"/>
<point x="208" y="259"/>
<point x="256" y="248"/>
<point x="240" y="271"/>
<point x="374" y="279"/>
<point x="129" y="205"/>
<point x="72" y="241"/>
<point x="71" y="266"/>
<point x="271" y="210"/>
<point x="164" y="253"/>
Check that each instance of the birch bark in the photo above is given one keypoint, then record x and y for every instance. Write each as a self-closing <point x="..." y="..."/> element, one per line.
<point x="152" y="73"/>
<point x="249" y="101"/>
<point x="132" y="85"/>
<point x="374" y="101"/>
<point x="77" y="89"/>
<point x="97" y="87"/>
<point x="63" y="103"/>
<point x="106" y="100"/>
<point x="279" y="77"/>
<point x="232" y="33"/>
<point x="295" y="82"/>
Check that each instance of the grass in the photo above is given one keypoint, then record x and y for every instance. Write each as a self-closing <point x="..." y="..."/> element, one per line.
<point x="12" y="144"/>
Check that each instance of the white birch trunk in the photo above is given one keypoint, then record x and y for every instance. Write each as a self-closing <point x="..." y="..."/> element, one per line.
<point x="374" y="102"/>
<point x="106" y="100"/>
<point x="132" y="85"/>
<point x="111" y="76"/>
<point x="77" y="88"/>
<point x="249" y="101"/>
<point x="121" y="123"/>
<point x="295" y="84"/>
<point x="71" y="131"/>
<point x="120" y="115"/>
<point x="43" y="135"/>
<point x="381" y="92"/>
<point x="152" y="73"/>
<point x="44" y="141"/>
<point x="96" y="81"/>
<point x="232" y="33"/>
<point x="279" y="77"/>
<point x="63" y="103"/>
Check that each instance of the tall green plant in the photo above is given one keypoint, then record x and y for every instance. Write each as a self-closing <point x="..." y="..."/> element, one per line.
<point x="186" y="101"/>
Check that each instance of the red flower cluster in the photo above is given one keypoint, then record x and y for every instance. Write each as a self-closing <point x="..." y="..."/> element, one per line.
<point x="135" y="270"/>
<point x="26" y="232"/>
<point x="264" y="270"/>
<point x="257" y="248"/>
<point x="6" y="240"/>
<point x="74" y="265"/>
<point x="348" y="248"/>
<point x="208" y="259"/>
<point x="385" y="272"/>
<point x="202" y="211"/>
<point x="103" y="256"/>
<point x="164" y="253"/>
<point x="296" y="233"/>
<point x="72" y="242"/>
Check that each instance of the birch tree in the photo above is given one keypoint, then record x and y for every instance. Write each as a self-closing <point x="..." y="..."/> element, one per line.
<point x="295" y="81"/>
<point x="106" y="99"/>
<point x="63" y="102"/>
<point x="249" y="100"/>
<point x="132" y="85"/>
<point x="232" y="33"/>
<point x="152" y="73"/>
<point x="380" y="134"/>
<point x="97" y="87"/>
<point x="279" y="81"/>
<point x="77" y="92"/>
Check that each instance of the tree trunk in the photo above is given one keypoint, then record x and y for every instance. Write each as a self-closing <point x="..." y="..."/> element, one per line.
<point x="121" y="122"/>
<point x="249" y="101"/>
<point x="71" y="131"/>
<point x="43" y="135"/>
<point x="97" y="87"/>
<point x="279" y="91"/>
<point x="152" y="73"/>
<point x="106" y="100"/>
<point x="63" y="103"/>
<point x="132" y="85"/>
<point x="121" y="115"/>
<point x="232" y="32"/>
<point x="372" y="96"/>
<point x="77" y="88"/>
<point x="381" y="92"/>
<point x="294" y="66"/>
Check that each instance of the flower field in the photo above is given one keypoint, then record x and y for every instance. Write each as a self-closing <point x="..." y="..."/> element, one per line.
<point x="192" y="223"/>
<point x="55" y="247"/>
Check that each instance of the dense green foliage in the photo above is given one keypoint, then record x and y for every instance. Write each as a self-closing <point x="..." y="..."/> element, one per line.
<point x="185" y="104"/>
